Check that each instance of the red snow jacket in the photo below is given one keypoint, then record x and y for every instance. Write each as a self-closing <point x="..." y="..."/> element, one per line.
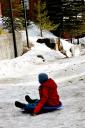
<point x="48" y="95"/>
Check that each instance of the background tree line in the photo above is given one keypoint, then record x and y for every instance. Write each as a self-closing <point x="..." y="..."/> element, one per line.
<point x="65" y="18"/>
<point x="70" y="15"/>
<point x="73" y="18"/>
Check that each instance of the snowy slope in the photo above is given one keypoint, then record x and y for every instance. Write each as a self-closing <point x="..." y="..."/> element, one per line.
<point x="18" y="77"/>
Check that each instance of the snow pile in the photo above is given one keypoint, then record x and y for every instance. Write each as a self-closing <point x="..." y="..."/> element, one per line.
<point x="34" y="30"/>
<point x="34" y="34"/>
<point x="8" y="68"/>
<point x="38" y="54"/>
<point x="66" y="45"/>
<point x="75" y="49"/>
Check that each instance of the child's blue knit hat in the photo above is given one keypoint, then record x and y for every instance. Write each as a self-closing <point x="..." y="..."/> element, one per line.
<point x="42" y="77"/>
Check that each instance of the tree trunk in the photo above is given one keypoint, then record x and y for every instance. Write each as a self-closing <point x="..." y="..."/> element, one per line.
<point x="41" y="32"/>
<point x="77" y="40"/>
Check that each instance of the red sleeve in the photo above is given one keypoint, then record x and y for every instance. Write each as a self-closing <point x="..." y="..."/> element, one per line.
<point x="42" y="101"/>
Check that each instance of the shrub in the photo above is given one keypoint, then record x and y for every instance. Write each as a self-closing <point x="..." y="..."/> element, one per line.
<point x="18" y="23"/>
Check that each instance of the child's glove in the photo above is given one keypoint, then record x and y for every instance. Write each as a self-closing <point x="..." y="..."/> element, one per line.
<point x="33" y="114"/>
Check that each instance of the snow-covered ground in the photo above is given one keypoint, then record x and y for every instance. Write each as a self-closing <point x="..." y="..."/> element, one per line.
<point x="18" y="77"/>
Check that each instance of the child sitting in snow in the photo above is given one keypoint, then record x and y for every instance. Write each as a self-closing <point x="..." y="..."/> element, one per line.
<point x="49" y="98"/>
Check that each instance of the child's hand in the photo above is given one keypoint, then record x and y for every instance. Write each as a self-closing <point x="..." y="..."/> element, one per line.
<point x="33" y="114"/>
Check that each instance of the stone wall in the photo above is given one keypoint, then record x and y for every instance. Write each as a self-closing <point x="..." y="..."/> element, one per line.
<point x="7" y="46"/>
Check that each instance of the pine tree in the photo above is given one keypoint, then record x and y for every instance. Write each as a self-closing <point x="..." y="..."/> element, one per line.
<point x="18" y="20"/>
<point x="54" y="8"/>
<point x="73" y="17"/>
<point x="42" y="19"/>
<point x="17" y="9"/>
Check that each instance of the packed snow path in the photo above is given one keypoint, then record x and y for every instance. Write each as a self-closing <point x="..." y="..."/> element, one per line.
<point x="71" y="81"/>
<point x="72" y="116"/>
<point x="61" y="70"/>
